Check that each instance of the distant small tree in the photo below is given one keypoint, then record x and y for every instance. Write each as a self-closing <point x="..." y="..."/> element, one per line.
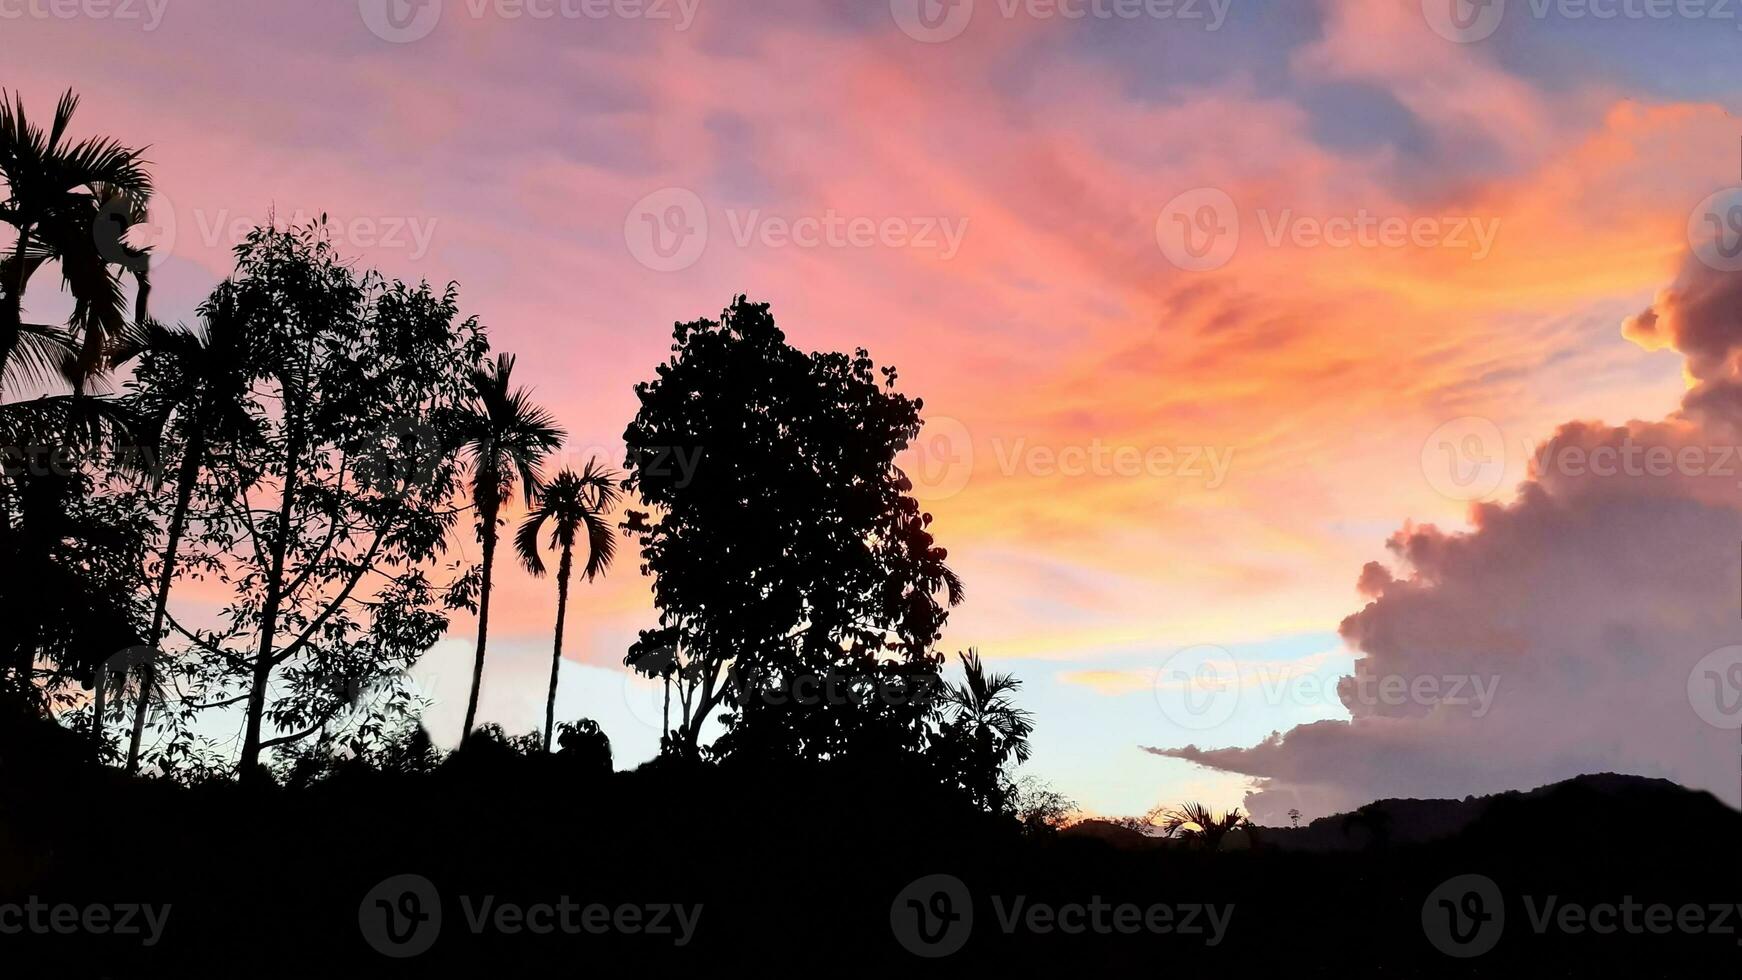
<point x="586" y="745"/>
<point x="1041" y="810"/>
<point x="1294" y="817"/>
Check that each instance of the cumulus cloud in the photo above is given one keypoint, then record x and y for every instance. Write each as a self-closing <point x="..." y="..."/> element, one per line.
<point x="1586" y="602"/>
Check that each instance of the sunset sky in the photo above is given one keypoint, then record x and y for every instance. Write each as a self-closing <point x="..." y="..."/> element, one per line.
<point x="1198" y="305"/>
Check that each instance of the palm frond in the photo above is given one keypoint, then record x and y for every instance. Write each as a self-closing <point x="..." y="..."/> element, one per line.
<point x="526" y="541"/>
<point x="40" y="355"/>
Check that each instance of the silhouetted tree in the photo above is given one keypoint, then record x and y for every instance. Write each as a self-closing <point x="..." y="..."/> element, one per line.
<point x="70" y="203"/>
<point x="979" y="711"/>
<point x="1197" y="823"/>
<point x="326" y="526"/>
<point x="191" y="389"/>
<point x="58" y="546"/>
<point x="568" y="503"/>
<point x="783" y="543"/>
<point x="504" y="437"/>
<point x="585" y="745"/>
<point x="68" y="596"/>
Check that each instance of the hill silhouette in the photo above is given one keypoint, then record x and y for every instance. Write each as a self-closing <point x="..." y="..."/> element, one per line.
<point x="1607" y="799"/>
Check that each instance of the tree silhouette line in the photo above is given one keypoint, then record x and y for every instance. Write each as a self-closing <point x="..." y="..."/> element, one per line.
<point x="256" y="519"/>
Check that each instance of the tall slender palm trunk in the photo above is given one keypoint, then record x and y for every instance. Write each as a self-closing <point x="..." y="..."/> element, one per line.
<point x="184" y="493"/>
<point x="489" y="535"/>
<point x="556" y="657"/>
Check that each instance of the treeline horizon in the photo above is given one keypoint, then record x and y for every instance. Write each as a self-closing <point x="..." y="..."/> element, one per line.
<point x="305" y="457"/>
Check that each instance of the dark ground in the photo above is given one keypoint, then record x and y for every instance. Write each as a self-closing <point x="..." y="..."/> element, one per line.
<point x="797" y="872"/>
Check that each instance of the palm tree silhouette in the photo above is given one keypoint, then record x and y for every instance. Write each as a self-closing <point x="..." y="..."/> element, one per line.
<point x="1196" y="822"/>
<point x="504" y="438"/>
<point x="568" y="503"/>
<point x="996" y="728"/>
<point x="193" y="385"/>
<point x="71" y="204"/>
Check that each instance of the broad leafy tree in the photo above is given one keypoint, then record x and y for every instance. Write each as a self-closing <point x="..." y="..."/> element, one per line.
<point x="326" y="525"/>
<point x="799" y="589"/>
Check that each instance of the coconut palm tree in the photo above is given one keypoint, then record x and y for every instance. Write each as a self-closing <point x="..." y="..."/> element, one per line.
<point x="503" y="440"/>
<point x="70" y="203"/>
<point x="190" y="388"/>
<point x="1199" y="824"/>
<point x="568" y="503"/>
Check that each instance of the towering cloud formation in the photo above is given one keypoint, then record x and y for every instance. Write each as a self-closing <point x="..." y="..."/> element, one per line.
<point x="1584" y="604"/>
